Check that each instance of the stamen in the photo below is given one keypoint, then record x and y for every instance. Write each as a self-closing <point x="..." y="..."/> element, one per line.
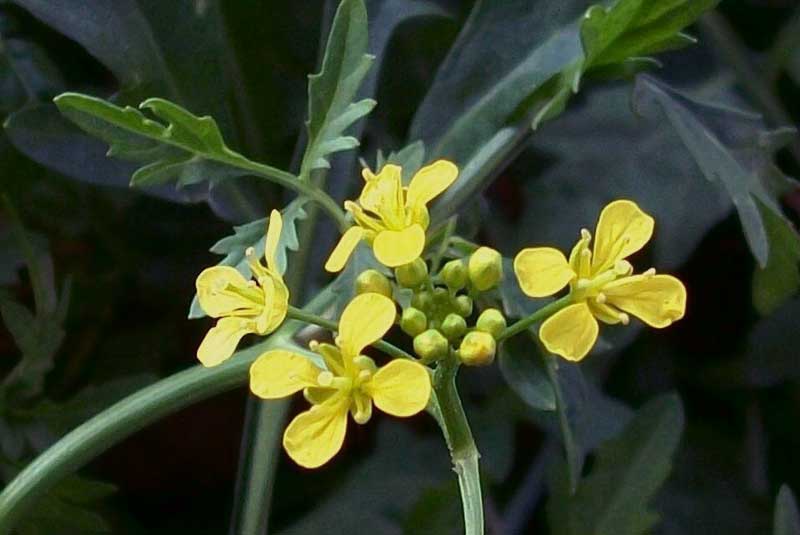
<point x="325" y="378"/>
<point x="365" y="363"/>
<point x="313" y="345"/>
<point x="623" y="267"/>
<point x="583" y="284"/>
<point x="250" y="251"/>
<point x="624" y="318"/>
<point x="600" y="298"/>
<point x="585" y="234"/>
<point x="650" y="272"/>
<point x="364" y="375"/>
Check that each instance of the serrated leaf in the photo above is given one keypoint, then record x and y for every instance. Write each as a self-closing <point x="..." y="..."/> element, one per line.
<point x="787" y="518"/>
<point x="253" y="235"/>
<point x="184" y="147"/>
<point x="780" y="278"/>
<point x="731" y="147"/>
<point x="614" y="499"/>
<point x="331" y="92"/>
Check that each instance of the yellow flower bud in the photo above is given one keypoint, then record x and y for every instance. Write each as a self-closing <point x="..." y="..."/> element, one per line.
<point x="491" y="321"/>
<point x="477" y="349"/>
<point x="413" y="321"/>
<point x="372" y="281"/>
<point x="454" y="326"/>
<point x="463" y="305"/>
<point x="431" y="345"/>
<point x="413" y="274"/>
<point x="454" y="274"/>
<point x="485" y="268"/>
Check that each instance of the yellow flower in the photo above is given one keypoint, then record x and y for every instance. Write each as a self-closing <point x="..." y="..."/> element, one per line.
<point x="601" y="282"/>
<point x="351" y="383"/>
<point x="244" y="306"/>
<point x="391" y="218"/>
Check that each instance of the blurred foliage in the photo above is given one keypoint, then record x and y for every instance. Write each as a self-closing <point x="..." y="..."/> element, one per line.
<point x="97" y="277"/>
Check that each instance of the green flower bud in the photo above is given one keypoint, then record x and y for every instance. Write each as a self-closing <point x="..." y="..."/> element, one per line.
<point x="372" y="281"/>
<point x="422" y="300"/>
<point x="413" y="321"/>
<point x="454" y="326"/>
<point x="463" y="305"/>
<point x="431" y="345"/>
<point x="477" y="349"/>
<point x="412" y="274"/>
<point x="454" y="274"/>
<point x="485" y="268"/>
<point x="491" y="321"/>
<point x="441" y="297"/>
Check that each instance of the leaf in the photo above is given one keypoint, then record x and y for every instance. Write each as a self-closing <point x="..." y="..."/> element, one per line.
<point x="521" y="366"/>
<point x="253" y="235"/>
<point x="344" y="286"/>
<point x="331" y="92"/>
<point x="615" y="497"/>
<point x="780" y="278"/>
<point x="730" y="146"/>
<point x="787" y="518"/>
<point x="185" y="148"/>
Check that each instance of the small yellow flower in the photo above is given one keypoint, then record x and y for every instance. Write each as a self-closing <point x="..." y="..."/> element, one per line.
<point x="391" y="218"/>
<point x="601" y="282"/>
<point x="244" y="306"/>
<point x="351" y="383"/>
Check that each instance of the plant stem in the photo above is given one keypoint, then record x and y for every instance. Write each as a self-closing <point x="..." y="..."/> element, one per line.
<point x="136" y="411"/>
<point x="446" y="408"/>
<point x="544" y="312"/>
<point x="313" y="319"/>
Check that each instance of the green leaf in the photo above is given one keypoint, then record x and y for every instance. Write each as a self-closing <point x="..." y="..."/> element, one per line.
<point x="521" y="365"/>
<point x="731" y="147"/>
<point x="253" y="235"/>
<point x="614" y="499"/>
<point x="780" y="278"/>
<point x="344" y="287"/>
<point x="184" y="148"/>
<point x="331" y="92"/>
<point x="787" y="518"/>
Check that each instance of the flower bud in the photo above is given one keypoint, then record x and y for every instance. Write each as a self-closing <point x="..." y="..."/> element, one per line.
<point x="440" y="297"/>
<point x="372" y="281"/>
<point x="413" y="321"/>
<point x="454" y="326"/>
<point x="431" y="345"/>
<point x="454" y="274"/>
<point x="463" y="305"/>
<point x="413" y="274"/>
<point x="485" y="268"/>
<point x="491" y="321"/>
<point x="477" y="349"/>
<point x="422" y="300"/>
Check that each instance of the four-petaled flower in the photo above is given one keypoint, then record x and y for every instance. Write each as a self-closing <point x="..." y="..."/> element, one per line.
<point x="256" y="306"/>
<point x="351" y="383"/>
<point x="601" y="282"/>
<point x="391" y="218"/>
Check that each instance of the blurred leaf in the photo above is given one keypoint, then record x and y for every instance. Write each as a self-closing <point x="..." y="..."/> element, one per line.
<point x="521" y="366"/>
<point x="787" y="518"/>
<point x="410" y="158"/>
<point x="780" y="279"/>
<point x="331" y="92"/>
<point x="729" y="146"/>
<point x="435" y="511"/>
<point x="615" y="497"/>
<point x="253" y="235"/>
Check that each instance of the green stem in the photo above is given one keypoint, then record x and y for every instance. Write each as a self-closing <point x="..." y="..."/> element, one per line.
<point x="544" y="312"/>
<point x="446" y="408"/>
<point x="381" y="345"/>
<point x="134" y="412"/>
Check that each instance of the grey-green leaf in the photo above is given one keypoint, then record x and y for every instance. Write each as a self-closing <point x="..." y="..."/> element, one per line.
<point x="615" y="498"/>
<point x="780" y="278"/>
<point x="521" y="366"/>
<point x="787" y="518"/>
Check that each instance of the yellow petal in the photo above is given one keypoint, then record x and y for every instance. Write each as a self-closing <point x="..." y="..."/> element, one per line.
<point x="341" y="253"/>
<point x="273" y="237"/>
<point x="316" y="435"/>
<point x="401" y="388"/>
<point x="280" y="373"/>
<point x="221" y="341"/>
<point x="278" y="305"/>
<point x="580" y="259"/>
<point x="394" y="248"/>
<point x="383" y="195"/>
<point x="364" y="320"/>
<point x="622" y="230"/>
<point x="215" y="301"/>
<point x="571" y="332"/>
<point x="658" y="300"/>
<point x="429" y="182"/>
<point x="542" y="271"/>
<point x="363" y="219"/>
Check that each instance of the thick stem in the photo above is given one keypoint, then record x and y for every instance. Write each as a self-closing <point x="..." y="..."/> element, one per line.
<point x="125" y="417"/>
<point x="447" y="410"/>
